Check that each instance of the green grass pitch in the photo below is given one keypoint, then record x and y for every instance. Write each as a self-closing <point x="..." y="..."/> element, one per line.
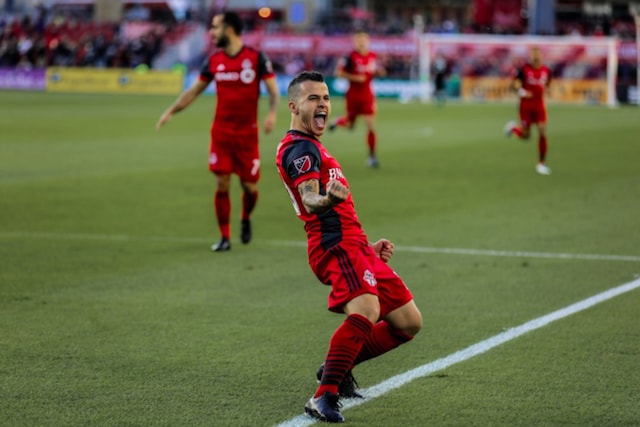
<point x="113" y="310"/>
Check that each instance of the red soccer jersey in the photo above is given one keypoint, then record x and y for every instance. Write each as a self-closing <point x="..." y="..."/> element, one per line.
<point x="361" y="65"/>
<point x="237" y="80"/>
<point x="535" y="81"/>
<point x="301" y="157"/>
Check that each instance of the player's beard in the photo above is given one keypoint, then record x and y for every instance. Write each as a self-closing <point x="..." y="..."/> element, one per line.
<point x="223" y="41"/>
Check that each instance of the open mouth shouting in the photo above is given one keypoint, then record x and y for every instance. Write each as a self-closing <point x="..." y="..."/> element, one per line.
<point x="320" y="120"/>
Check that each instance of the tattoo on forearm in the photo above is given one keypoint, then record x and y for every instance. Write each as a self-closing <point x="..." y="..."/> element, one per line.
<point x="311" y="198"/>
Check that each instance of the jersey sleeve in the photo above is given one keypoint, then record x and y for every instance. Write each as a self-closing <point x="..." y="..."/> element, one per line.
<point x="342" y="63"/>
<point x="519" y="74"/>
<point x="205" y="71"/>
<point x="301" y="162"/>
<point x="348" y="64"/>
<point x="265" y="67"/>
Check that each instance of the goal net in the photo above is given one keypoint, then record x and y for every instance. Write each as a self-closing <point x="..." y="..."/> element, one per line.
<point x="480" y="66"/>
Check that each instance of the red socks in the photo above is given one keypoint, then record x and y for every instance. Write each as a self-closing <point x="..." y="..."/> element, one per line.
<point x="371" y="142"/>
<point x="542" y="148"/>
<point x="355" y="341"/>
<point x="222" y="204"/>
<point x="248" y="203"/>
<point x="344" y="346"/>
<point x="342" y="121"/>
<point x="517" y="131"/>
<point x="382" y="338"/>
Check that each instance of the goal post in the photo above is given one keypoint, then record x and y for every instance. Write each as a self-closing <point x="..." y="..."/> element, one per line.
<point x="584" y="68"/>
<point x="634" y="9"/>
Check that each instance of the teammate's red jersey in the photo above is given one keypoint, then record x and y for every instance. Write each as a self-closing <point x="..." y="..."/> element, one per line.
<point x="237" y="80"/>
<point x="301" y="157"/>
<point x="361" y="65"/>
<point x="535" y="81"/>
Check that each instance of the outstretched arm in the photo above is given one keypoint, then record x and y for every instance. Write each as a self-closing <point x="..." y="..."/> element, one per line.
<point x="517" y="86"/>
<point x="356" y="78"/>
<point x="316" y="203"/>
<point x="340" y="71"/>
<point x="522" y="92"/>
<point x="274" y="97"/>
<point x="183" y="101"/>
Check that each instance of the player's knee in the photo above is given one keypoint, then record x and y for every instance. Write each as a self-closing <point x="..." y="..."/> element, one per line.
<point x="372" y="312"/>
<point x="366" y="305"/>
<point x="249" y="187"/>
<point x="414" y="325"/>
<point x="223" y="182"/>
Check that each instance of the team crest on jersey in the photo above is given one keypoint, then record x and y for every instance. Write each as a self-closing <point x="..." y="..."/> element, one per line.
<point x="248" y="74"/>
<point x="302" y="164"/>
<point x="369" y="278"/>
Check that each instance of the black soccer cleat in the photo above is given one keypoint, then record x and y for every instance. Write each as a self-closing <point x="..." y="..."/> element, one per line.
<point x="223" y="245"/>
<point x="245" y="231"/>
<point x="347" y="387"/>
<point x="325" y="408"/>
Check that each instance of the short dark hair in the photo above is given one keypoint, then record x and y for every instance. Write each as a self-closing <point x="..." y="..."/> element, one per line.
<point x="294" y="84"/>
<point x="233" y="20"/>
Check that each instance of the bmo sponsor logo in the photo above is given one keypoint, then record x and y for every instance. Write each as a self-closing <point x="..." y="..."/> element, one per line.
<point x="335" y="173"/>
<point x="227" y="76"/>
<point x="247" y="75"/>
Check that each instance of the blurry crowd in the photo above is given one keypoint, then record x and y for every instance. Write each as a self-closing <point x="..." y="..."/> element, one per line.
<point x="49" y="38"/>
<point x="43" y="39"/>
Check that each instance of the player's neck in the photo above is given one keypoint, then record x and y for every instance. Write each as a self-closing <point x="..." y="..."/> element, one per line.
<point x="233" y="47"/>
<point x="295" y="126"/>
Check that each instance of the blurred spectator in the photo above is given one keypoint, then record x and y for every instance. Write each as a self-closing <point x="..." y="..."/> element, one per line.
<point x="49" y="37"/>
<point x="74" y="41"/>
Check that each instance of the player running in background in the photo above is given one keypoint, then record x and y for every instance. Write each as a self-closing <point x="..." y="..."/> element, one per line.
<point x="359" y="68"/>
<point x="531" y="82"/>
<point x="237" y="71"/>
<point x="381" y="313"/>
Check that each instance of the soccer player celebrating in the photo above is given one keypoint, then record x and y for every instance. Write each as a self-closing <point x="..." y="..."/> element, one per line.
<point x="359" y="68"/>
<point x="237" y="71"/>
<point x="380" y="311"/>
<point x="531" y="82"/>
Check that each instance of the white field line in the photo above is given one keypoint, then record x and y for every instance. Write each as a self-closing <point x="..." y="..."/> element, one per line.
<point x="496" y="253"/>
<point x="460" y="356"/>
<point x="300" y="243"/>
<point x="522" y="254"/>
<point x="91" y="236"/>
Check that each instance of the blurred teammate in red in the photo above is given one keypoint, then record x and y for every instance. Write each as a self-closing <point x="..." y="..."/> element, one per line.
<point x="359" y="68"/>
<point x="531" y="82"/>
<point x="237" y="71"/>
<point x="381" y="313"/>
